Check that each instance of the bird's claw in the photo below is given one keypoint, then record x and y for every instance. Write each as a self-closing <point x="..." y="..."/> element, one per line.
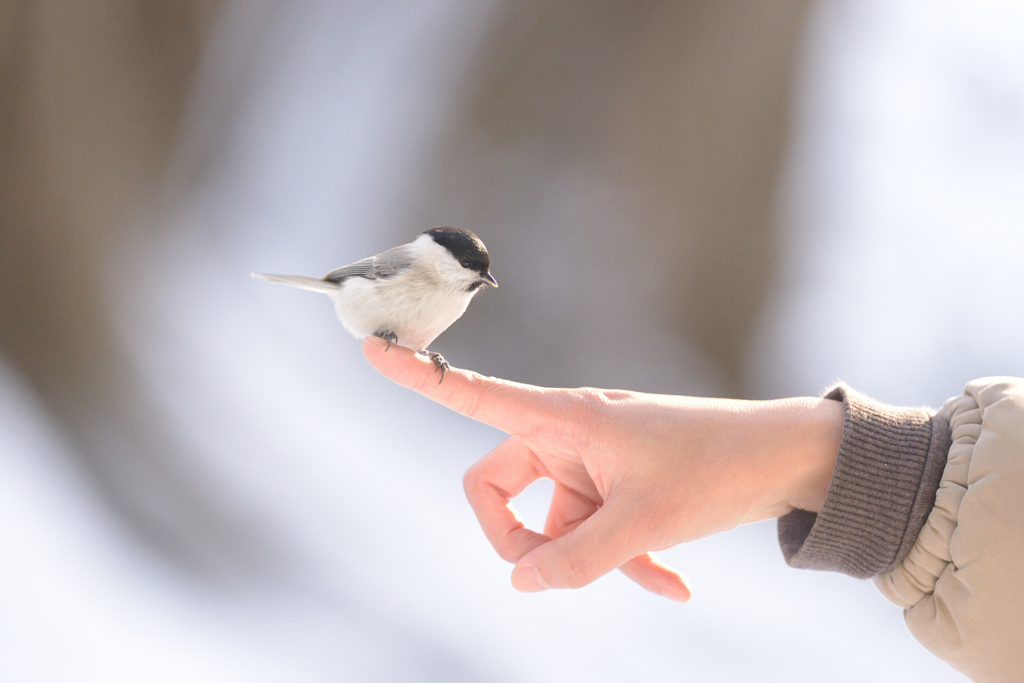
<point x="439" y="364"/>
<point x="390" y="336"/>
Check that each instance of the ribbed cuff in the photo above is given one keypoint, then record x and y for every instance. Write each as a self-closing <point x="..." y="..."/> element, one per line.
<point x="889" y="466"/>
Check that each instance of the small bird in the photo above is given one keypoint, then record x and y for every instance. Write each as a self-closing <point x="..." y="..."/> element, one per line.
<point x="407" y="295"/>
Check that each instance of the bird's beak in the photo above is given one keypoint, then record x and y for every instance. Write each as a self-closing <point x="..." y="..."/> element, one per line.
<point x="487" y="278"/>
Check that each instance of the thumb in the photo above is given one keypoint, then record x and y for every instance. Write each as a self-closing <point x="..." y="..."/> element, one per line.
<point x="603" y="542"/>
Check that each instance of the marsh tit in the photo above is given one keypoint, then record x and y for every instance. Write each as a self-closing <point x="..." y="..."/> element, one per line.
<point x="407" y="295"/>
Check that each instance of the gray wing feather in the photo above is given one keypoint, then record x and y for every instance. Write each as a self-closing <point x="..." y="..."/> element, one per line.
<point x="380" y="267"/>
<point x="362" y="268"/>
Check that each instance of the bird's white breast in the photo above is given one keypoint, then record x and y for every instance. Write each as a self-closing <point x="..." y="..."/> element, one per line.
<point x="417" y="304"/>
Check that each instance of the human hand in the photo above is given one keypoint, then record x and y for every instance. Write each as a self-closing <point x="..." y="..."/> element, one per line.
<point x="633" y="472"/>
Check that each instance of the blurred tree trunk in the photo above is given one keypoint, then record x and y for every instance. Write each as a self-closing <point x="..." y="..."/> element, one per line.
<point x="91" y="97"/>
<point x="668" y="120"/>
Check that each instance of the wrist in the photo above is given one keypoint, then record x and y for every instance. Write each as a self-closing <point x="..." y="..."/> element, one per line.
<point x="814" y="429"/>
<point x="889" y="465"/>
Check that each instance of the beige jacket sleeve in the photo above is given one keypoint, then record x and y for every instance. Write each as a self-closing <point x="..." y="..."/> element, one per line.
<point x="931" y="504"/>
<point x="962" y="583"/>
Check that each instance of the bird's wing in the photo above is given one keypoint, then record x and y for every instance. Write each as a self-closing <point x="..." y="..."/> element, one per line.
<point x="380" y="267"/>
<point x="362" y="268"/>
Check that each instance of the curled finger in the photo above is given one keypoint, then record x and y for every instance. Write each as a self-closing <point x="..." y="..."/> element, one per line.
<point x="491" y="483"/>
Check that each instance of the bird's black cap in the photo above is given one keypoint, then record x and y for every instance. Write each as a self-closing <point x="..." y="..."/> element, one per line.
<point x="464" y="246"/>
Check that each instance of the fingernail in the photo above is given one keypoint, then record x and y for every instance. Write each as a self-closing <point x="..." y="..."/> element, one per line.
<point x="378" y="342"/>
<point x="527" y="580"/>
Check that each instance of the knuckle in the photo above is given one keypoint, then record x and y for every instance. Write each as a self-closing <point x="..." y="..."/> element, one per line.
<point x="508" y="547"/>
<point x="590" y="398"/>
<point x="468" y="400"/>
<point x="593" y="405"/>
<point x="471" y="480"/>
<point x="576" y="570"/>
<point x="585" y="411"/>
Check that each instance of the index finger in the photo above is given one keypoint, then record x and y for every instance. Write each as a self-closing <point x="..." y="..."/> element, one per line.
<point x="509" y="406"/>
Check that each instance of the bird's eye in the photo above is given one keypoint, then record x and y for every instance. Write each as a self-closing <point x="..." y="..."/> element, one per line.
<point x="465" y="263"/>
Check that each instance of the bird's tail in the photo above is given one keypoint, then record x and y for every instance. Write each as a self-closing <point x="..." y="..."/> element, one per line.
<point x="311" y="283"/>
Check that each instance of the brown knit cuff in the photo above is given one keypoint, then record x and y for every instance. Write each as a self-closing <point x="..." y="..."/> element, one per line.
<point x="889" y="467"/>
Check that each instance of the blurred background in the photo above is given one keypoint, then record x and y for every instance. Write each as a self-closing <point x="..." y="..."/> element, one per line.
<point x="200" y="478"/>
